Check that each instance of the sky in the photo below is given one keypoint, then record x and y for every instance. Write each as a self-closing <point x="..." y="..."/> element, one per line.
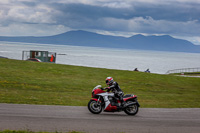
<point x="177" y="18"/>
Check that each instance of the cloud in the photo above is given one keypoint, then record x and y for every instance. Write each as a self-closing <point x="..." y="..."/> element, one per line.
<point x="142" y="15"/>
<point x="149" y="26"/>
<point x="25" y="14"/>
<point x="35" y="17"/>
<point x="27" y="29"/>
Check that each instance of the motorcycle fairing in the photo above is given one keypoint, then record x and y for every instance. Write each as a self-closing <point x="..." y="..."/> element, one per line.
<point x="110" y="108"/>
<point x="105" y="98"/>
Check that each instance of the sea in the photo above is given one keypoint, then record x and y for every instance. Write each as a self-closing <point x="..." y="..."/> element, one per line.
<point x="111" y="58"/>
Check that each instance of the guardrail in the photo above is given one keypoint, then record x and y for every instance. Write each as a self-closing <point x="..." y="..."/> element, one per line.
<point x="184" y="70"/>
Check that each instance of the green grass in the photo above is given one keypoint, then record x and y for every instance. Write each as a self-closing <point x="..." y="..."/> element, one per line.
<point x="25" y="82"/>
<point x="188" y="73"/>
<point x="192" y="73"/>
<point x="27" y="131"/>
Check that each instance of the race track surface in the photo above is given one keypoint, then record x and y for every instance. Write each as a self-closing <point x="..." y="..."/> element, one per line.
<point x="70" y="118"/>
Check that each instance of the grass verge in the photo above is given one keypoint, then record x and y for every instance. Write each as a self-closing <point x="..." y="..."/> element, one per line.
<point x="24" y="82"/>
<point x="27" y="131"/>
<point x="189" y="74"/>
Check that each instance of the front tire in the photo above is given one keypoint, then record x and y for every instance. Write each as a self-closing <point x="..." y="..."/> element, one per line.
<point x="131" y="110"/>
<point x="94" y="107"/>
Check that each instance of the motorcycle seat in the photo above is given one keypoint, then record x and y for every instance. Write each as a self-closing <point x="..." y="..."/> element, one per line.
<point x="128" y="95"/>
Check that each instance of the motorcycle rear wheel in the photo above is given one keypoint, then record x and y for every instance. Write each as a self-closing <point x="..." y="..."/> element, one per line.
<point x="131" y="110"/>
<point x="94" y="107"/>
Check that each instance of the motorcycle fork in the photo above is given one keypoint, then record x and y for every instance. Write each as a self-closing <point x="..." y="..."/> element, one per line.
<point x="98" y="103"/>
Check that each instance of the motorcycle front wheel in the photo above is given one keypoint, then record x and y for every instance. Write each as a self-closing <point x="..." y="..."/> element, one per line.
<point x="94" y="107"/>
<point x="131" y="110"/>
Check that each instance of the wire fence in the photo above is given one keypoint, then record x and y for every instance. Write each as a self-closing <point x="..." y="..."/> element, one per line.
<point x="184" y="70"/>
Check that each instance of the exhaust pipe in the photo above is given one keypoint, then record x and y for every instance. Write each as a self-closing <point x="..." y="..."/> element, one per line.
<point x="130" y="104"/>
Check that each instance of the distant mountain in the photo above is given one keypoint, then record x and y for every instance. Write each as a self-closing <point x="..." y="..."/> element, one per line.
<point x="84" y="38"/>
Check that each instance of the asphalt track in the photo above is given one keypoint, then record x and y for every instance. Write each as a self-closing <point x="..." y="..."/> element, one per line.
<point x="70" y="118"/>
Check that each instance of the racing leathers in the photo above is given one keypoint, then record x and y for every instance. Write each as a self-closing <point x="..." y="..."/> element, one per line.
<point x="114" y="87"/>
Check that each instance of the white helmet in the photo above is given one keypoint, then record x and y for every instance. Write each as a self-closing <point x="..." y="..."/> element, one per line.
<point x="109" y="80"/>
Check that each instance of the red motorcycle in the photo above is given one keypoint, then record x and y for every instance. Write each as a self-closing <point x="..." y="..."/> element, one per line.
<point x="106" y="101"/>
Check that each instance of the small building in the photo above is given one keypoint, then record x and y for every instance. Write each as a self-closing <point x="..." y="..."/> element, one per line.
<point x="44" y="56"/>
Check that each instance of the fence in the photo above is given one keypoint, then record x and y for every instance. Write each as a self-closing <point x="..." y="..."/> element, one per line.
<point x="184" y="70"/>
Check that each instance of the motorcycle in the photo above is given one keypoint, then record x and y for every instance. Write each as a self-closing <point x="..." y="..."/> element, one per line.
<point x="106" y="101"/>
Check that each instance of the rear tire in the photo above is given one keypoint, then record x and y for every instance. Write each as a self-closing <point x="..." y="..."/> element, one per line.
<point x="94" y="107"/>
<point x="131" y="110"/>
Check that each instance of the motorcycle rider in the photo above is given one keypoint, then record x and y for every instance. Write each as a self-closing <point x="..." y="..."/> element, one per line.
<point x="114" y="87"/>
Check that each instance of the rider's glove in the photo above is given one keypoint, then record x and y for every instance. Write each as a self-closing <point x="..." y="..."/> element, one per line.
<point x="104" y="88"/>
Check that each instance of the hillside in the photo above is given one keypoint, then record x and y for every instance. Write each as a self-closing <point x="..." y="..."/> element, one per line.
<point x="27" y="82"/>
<point x="84" y="38"/>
